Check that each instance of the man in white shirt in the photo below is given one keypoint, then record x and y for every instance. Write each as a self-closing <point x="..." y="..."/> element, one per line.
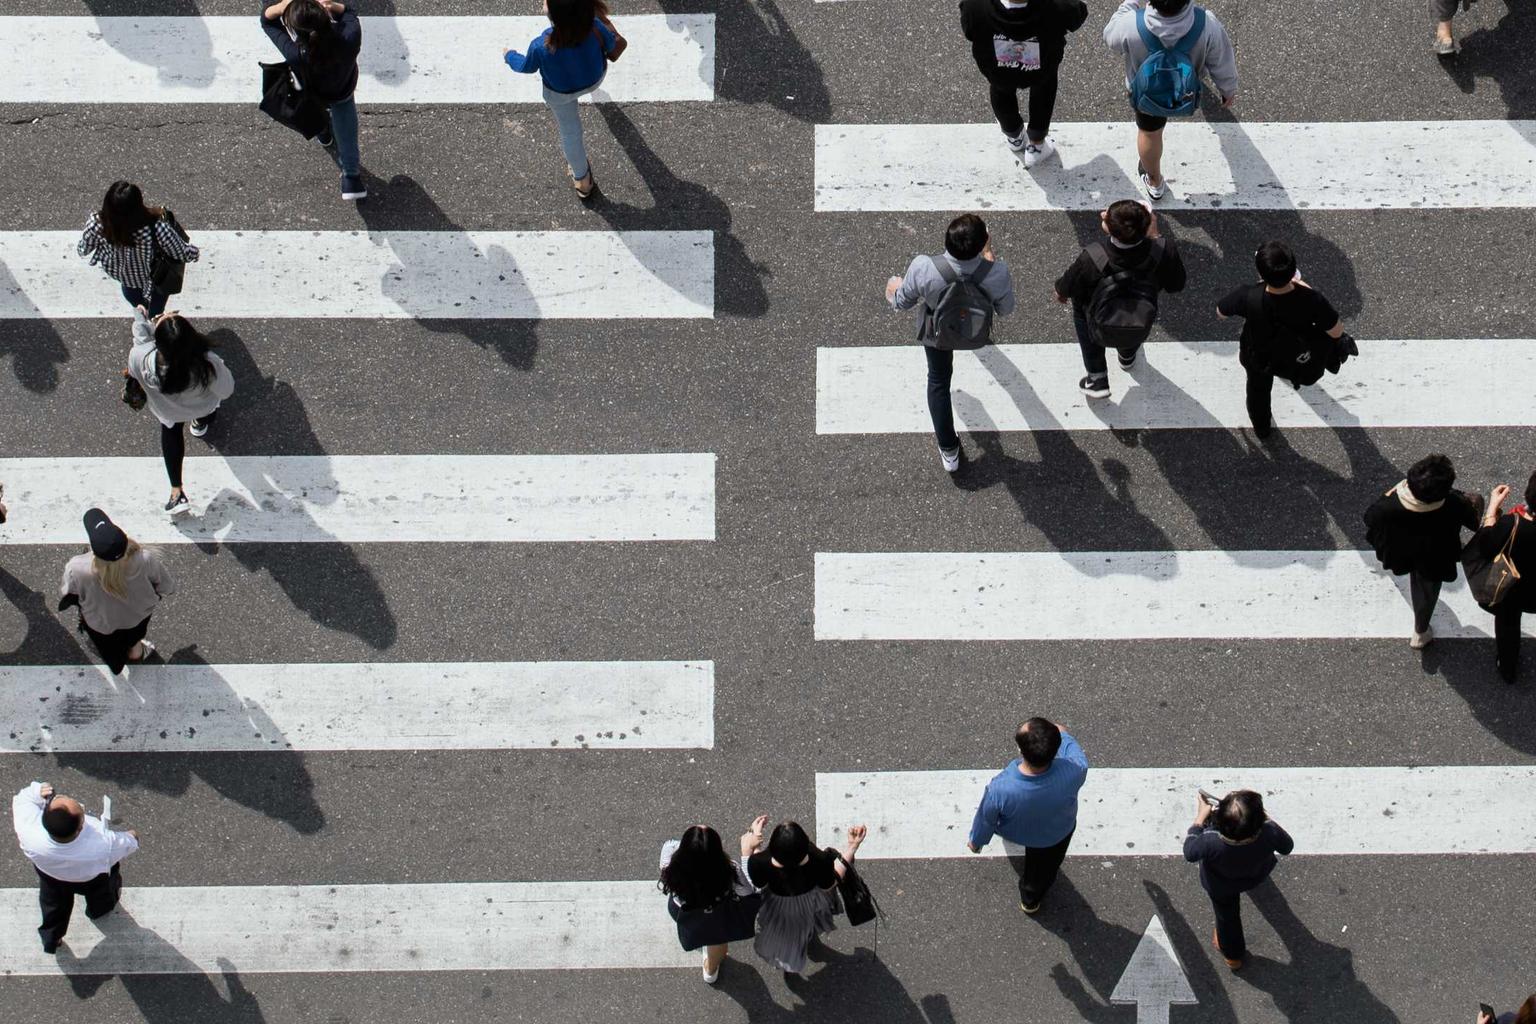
<point x="74" y="853"/>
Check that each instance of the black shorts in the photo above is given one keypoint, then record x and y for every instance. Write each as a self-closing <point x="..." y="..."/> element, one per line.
<point x="1147" y="122"/>
<point x="114" y="647"/>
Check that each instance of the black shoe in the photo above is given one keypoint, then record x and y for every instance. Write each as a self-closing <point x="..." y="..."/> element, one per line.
<point x="1094" y="386"/>
<point x="1126" y="362"/>
<point x="326" y="139"/>
<point x="1262" y="432"/>
<point x="352" y="187"/>
<point x="178" y="504"/>
<point x="50" y="948"/>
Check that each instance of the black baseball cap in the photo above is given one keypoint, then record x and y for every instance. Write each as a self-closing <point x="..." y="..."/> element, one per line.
<point x="108" y="543"/>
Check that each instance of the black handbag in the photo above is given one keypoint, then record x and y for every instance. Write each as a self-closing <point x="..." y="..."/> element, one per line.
<point x="732" y="919"/>
<point x="290" y="105"/>
<point x="133" y="393"/>
<point x="167" y="274"/>
<point x="858" y="902"/>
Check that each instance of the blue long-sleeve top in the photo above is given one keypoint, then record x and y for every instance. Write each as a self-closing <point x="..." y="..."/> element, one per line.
<point x="571" y="68"/>
<point x="1033" y="810"/>
<point x="333" y="79"/>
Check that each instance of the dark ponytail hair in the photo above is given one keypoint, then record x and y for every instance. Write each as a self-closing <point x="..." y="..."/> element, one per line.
<point x="572" y="20"/>
<point x="699" y="873"/>
<point x="182" y="355"/>
<point x="123" y="213"/>
<point x="312" y="23"/>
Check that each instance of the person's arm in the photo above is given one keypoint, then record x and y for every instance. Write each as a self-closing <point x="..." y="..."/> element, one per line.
<point x="752" y="838"/>
<point x="272" y="25"/>
<point x="1233" y="303"/>
<point x="1004" y="301"/>
<point x="1121" y="26"/>
<point x="1067" y="283"/>
<point x="904" y="293"/>
<point x="1325" y="313"/>
<point x="856" y="834"/>
<point x="1073" y="14"/>
<point x="1171" y="273"/>
<point x="526" y="63"/>
<point x="159" y="575"/>
<point x="171" y="244"/>
<point x="27" y="806"/>
<point x="90" y="238"/>
<point x="1495" y="504"/>
<point x="121" y="844"/>
<point x="984" y="825"/>
<point x="1220" y="59"/>
<point x="1284" y="844"/>
<point x="1466" y="510"/>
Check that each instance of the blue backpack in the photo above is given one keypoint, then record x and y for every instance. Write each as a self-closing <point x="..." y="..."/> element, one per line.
<point x="1167" y="84"/>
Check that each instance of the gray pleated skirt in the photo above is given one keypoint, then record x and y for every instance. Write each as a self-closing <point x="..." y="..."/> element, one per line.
<point x="785" y="925"/>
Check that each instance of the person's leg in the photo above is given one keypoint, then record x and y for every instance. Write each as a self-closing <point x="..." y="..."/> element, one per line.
<point x="1041" y="865"/>
<point x="1005" y="106"/>
<point x="1042" y="103"/>
<point x="1229" y="926"/>
<point x="1260" y="383"/>
<point x="173" y="449"/>
<point x="1441" y="11"/>
<point x="567" y="114"/>
<point x="1506" y="639"/>
<point x="157" y="300"/>
<point x="203" y="422"/>
<point x="714" y="956"/>
<point x="57" y="901"/>
<point x="135" y="297"/>
<point x="1093" y="352"/>
<point x="344" y="130"/>
<point x="941" y="370"/>
<point x="1128" y="354"/>
<point x="101" y="893"/>
<point x="1424" y="592"/>
<point x="1149" y="152"/>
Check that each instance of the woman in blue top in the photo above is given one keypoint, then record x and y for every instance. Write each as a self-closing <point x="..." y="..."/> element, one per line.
<point x="572" y="56"/>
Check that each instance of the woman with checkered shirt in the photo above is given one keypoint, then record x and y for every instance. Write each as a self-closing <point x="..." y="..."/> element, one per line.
<point x="122" y="238"/>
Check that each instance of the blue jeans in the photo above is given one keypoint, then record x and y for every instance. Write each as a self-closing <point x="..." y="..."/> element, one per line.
<point x="568" y="118"/>
<point x="152" y="301"/>
<point x="941" y="370"/>
<point x="344" y="130"/>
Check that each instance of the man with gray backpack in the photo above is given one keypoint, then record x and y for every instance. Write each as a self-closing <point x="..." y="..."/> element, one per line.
<point x="956" y="294"/>
<point x="1168" y="45"/>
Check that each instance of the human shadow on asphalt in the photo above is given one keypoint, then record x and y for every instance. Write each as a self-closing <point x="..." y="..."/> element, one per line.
<point x="47" y="641"/>
<point x="402" y="204"/>
<point x="1501" y="54"/>
<point x="760" y="60"/>
<point x="190" y="63"/>
<point x="185" y="993"/>
<point x="679" y="205"/>
<point x="273" y="781"/>
<point x="328" y="582"/>
<point x="1193" y="945"/>
<point x="1467" y="667"/>
<point x="846" y="988"/>
<point x="1099" y="949"/>
<point x="33" y="346"/>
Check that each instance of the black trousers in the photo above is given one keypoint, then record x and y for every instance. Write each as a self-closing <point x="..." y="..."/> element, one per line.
<point x="1506" y="638"/>
<point x="173" y="447"/>
<point x="1004" y="93"/>
<point x="941" y="407"/>
<point x="1443" y="10"/>
<point x="58" y="901"/>
<point x="1424" y="592"/>
<point x="1229" y="926"/>
<point x="1041" y="865"/>
<point x="1260" y="384"/>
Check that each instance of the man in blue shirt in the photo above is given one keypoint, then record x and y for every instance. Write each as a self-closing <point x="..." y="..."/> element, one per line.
<point x="1033" y="803"/>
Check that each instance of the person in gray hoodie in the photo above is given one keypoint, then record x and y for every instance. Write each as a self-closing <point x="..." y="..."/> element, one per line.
<point x="1212" y="54"/>
<point x="183" y="381"/>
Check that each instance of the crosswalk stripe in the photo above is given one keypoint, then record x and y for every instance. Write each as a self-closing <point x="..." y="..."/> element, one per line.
<point x="1419" y="383"/>
<point x="263" y="929"/>
<point x="1122" y="595"/>
<point x="439" y="59"/>
<point x="469" y="275"/>
<point x="1144" y="812"/>
<point x="439" y="706"/>
<point x="372" y="498"/>
<point x="1227" y="165"/>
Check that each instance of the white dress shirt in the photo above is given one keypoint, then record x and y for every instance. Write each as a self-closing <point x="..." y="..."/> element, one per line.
<point x="91" y="853"/>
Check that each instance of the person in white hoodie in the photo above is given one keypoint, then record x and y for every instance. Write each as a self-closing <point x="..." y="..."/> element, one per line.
<point x="1211" y="54"/>
<point x="184" y="382"/>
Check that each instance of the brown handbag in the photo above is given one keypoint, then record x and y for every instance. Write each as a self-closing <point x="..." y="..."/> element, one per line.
<point x="1490" y="579"/>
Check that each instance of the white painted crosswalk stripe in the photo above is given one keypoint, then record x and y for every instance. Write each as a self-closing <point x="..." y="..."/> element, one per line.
<point x="1123" y="595"/>
<point x="263" y="929"/>
<point x="438" y="59"/>
<point x="1144" y="812"/>
<point x="387" y="274"/>
<point x="372" y="498"/>
<point x="1418" y="383"/>
<point x="1229" y="165"/>
<point x="440" y="706"/>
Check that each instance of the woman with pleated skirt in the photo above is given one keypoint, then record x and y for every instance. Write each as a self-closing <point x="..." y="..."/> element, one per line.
<point x="799" y="889"/>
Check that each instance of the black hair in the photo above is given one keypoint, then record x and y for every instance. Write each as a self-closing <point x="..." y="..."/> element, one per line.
<point x="699" y="873"/>
<point x="1038" y="741"/>
<point x="1240" y="815"/>
<point x="1430" y="478"/>
<point x="1168" y="8"/>
<point x="312" y="23"/>
<point x="123" y="213"/>
<point x="789" y="844"/>
<point x="965" y="237"/>
<point x="60" y="821"/>
<point x="1276" y="263"/>
<point x="1530" y="493"/>
<point x="1128" y="221"/>
<point x="572" y="20"/>
<point x="182" y="355"/>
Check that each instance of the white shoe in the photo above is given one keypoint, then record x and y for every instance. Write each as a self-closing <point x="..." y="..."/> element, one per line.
<point x="1016" y="142"/>
<point x="1037" y="152"/>
<point x="197" y="429"/>
<point x="710" y="979"/>
<point x="1154" y="192"/>
<point x="951" y="458"/>
<point x="1422" y="640"/>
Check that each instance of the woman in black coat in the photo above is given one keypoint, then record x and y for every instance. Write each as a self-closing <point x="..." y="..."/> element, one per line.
<point x="1415" y="529"/>
<point x="1516" y="530"/>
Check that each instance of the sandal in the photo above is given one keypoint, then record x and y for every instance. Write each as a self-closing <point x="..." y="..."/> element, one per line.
<point x="584" y="193"/>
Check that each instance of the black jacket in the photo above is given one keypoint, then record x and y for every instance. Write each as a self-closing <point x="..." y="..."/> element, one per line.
<point x="1428" y="543"/>
<point x="986" y="22"/>
<point x="1490" y="540"/>
<point x="1227" y="869"/>
<point x="329" y="81"/>
<point x="1083" y="276"/>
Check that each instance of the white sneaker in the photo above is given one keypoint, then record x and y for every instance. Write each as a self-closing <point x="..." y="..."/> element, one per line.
<point x="710" y="979"/>
<point x="951" y="458"/>
<point x="1422" y="640"/>
<point x="198" y="429"/>
<point x="1036" y="152"/>
<point x="1016" y="142"/>
<point x="1154" y="192"/>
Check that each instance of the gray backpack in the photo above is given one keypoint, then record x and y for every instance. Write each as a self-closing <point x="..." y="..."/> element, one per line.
<point x="962" y="318"/>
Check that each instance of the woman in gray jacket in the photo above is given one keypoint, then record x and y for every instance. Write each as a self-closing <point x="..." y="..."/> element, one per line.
<point x="116" y="585"/>
<point x="184" y="382"/>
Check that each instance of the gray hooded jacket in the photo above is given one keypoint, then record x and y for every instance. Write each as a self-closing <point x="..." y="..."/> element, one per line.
<point x="1212" y="54"/>
<point x="183" y="406"/>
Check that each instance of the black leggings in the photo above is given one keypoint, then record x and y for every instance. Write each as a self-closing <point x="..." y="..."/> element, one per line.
<point x="173" y="447"/>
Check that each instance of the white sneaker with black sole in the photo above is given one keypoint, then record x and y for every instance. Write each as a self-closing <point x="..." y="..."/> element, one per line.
<point x="1037" y="152"/>
<point x="1154" y="192"/>
<point x="1094" y="387"/>
<point x="1016" y="142"/>
<point x="951" y="458"/>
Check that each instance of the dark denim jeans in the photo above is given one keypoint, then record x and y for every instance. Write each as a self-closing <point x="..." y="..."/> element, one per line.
<point x="152" y="301"/>
<point x="941" y="370"/>
<point x="1093" y="353"/>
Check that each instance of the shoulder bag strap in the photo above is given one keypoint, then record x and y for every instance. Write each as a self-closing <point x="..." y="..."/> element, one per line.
<point x="1098" y="252"/>
<point x="947" y="272"/>
<point x="1187" y="44"/>
<point x="1150" y="41"/>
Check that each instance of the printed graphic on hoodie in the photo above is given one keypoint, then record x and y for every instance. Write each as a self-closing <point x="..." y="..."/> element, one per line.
<point x="1017" y="54"/>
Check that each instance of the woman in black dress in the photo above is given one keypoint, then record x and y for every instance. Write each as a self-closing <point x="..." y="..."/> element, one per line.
<point x="799" y="884"/>
<point x="711" y="900"/>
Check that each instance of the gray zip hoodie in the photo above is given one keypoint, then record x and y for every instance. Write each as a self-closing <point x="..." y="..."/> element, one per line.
<point x="1212" y="53"/>
<point x="183" y="406"/>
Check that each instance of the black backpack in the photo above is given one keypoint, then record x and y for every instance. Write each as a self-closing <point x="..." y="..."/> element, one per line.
<point x="962" y="318"/>
<point x="1123" y="306"/>
<point x="1298" y="355"/>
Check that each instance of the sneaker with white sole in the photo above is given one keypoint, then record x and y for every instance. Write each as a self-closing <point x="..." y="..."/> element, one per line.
<point x="1016" y="142"/>
<point x="951" y="458"/>
<point x="1154" y="192"/>
<point x="198" y="428"/>
<point x="1422" y="640"/>
<point x="352" y="188"/>
<point x="1127" y="362"/>
<point x="1036" y="152"/>
<point x="1094" y="387"/>
<point x="179" y="505"/>
<point x="709" y="979"/>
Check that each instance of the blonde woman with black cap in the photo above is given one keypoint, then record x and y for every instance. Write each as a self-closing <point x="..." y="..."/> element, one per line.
<point x="117" y="585"/>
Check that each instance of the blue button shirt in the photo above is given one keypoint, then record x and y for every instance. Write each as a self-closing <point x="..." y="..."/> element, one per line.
<point x="1033" y="810"/>
<point x="567" y="69"/>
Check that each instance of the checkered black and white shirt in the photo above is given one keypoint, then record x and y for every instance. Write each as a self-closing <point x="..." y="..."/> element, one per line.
<point x="130" y="264"/>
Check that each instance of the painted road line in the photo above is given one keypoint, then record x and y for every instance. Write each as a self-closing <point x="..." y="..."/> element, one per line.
<point x="316" y="499"/>
<point x="470" y="275"/>
<point x="439" y="59"/>
<point x="1144" y="812"/>
<point x="266" y="929"/>
<point x="1123" y="595"/>
<point x="1419" y="383"/>
<point x="1231" y="165"/>
<point x="465" y="706"/>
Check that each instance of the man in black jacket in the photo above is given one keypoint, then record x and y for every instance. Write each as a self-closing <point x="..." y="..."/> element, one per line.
<point x="1415" y="529"/>
<point x="1018" y="44"/>
<point x="1234" y="856"/>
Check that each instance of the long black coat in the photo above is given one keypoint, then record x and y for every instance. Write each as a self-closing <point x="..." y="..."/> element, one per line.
<point x="1428" y="543"/>
<point x="1490" y="541"/>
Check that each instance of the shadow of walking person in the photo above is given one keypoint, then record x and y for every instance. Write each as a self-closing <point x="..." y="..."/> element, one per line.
<point x="1195" y="953"/>
<point x="1503" y="55"/>
<point x="759" y="59"/>
<point x="281" y="788"/>
<point x="47" y="640"/>
<point x="385" y="57"/>
<point x="1468" y="668"/>
<point x="1098" y="948"/>
<point x="33" y="346"/>
<point x="176" y="43"/>
<point x="683" y="205"/>
<point x="848" y="988"/>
